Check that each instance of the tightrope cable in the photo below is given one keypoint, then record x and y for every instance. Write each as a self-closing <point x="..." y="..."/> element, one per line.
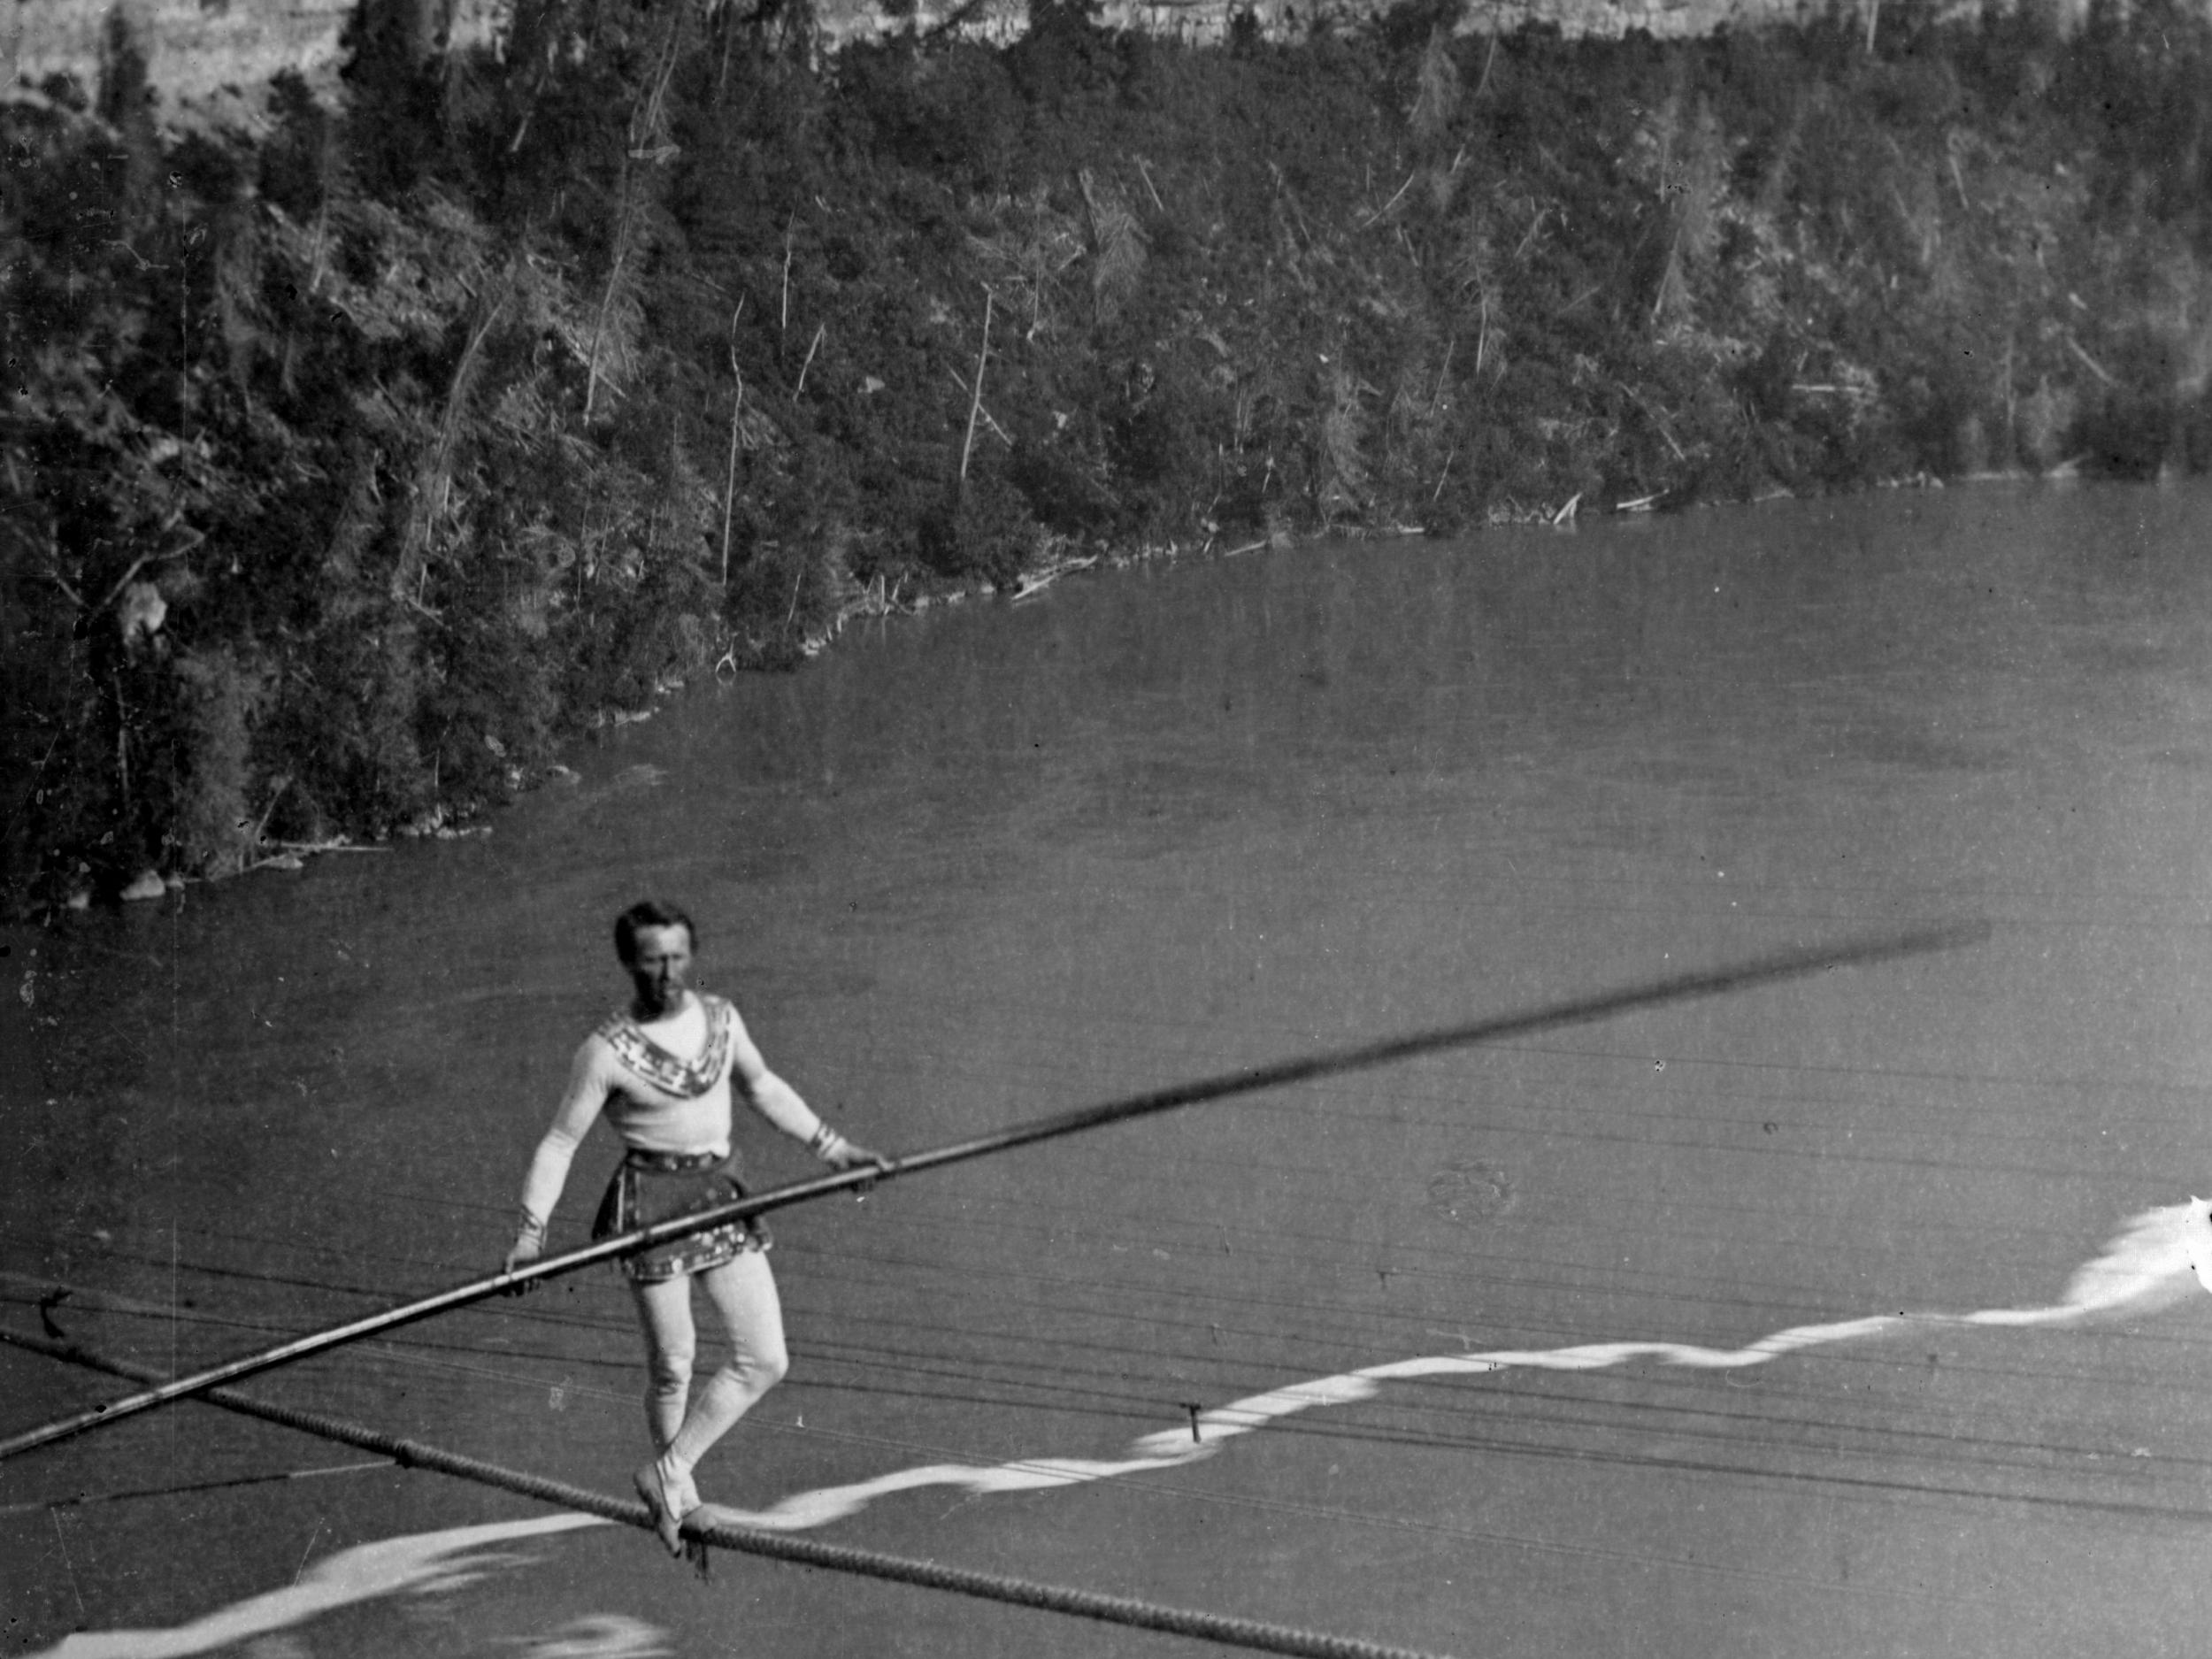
<point x="1335" y="1062"/>
<point x="1129" y="1611"/>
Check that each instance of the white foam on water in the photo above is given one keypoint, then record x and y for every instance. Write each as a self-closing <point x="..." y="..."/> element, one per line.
<point x="2197" y="1239"/>
<point x="602" y="1636"/>
<point x="421" y="1562"/>
<point x="2145" y="1266"/>
<point x="2149" y="1264"/>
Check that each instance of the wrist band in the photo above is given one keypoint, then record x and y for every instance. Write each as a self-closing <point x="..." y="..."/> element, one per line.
<point x="826" y="1143"/>
<point x="531" y="1227"/>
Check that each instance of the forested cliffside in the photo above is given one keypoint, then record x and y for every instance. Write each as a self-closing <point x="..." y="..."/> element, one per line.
<point x="353" y="466"/>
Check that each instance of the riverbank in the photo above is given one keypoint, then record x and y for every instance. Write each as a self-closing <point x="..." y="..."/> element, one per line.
<point x="360" y="464"/>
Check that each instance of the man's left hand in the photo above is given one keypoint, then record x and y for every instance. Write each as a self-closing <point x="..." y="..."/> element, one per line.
<point x="852" y="1155"/>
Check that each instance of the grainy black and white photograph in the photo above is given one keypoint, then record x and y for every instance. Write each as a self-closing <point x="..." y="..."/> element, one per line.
<point x="1105" y="829"/>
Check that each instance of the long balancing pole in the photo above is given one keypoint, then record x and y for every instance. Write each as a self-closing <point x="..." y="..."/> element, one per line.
<point x="1788" y="964"/>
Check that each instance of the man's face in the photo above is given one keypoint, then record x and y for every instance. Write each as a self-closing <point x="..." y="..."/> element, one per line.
<point x="660" y="968"/>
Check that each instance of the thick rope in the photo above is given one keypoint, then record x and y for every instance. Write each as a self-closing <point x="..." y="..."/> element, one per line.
<point x="1767" y="969"/>
<point x="1049" y="1598"/>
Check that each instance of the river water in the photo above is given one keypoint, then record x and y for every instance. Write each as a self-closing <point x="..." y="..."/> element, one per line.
<point x="1000" y="860"/>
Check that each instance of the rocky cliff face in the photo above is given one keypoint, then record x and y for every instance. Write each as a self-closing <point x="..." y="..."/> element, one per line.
<point x="201" y="50"/>
<point x="195" y="50"/>
<point x="1208" y="20"/>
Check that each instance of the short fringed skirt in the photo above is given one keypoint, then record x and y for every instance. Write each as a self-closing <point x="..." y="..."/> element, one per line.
<point x="650" y="1186"/>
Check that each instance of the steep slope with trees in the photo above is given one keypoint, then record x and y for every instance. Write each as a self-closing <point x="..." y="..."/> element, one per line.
<point x="351" y="468"/>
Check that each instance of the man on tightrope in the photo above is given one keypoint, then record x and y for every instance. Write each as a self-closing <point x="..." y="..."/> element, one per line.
<point x="661" y="1072"/>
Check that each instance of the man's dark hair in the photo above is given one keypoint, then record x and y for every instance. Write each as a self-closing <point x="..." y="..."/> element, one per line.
<point x="647" y="913"/>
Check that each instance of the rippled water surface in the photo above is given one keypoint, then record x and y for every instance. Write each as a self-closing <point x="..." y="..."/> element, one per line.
<point x="997" y="861"/>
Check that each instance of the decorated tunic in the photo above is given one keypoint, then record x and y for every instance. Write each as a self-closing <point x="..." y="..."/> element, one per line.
<point x="655" y="1098"/>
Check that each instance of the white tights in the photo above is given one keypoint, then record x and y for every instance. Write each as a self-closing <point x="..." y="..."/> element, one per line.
<point x="742" y="1293"/>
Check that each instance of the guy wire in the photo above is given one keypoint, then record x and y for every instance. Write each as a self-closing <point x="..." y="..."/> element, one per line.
<point x="1780" y="965"/>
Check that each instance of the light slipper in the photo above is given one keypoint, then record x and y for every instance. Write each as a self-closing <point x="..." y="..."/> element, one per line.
<point x="664" y="1505"/>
